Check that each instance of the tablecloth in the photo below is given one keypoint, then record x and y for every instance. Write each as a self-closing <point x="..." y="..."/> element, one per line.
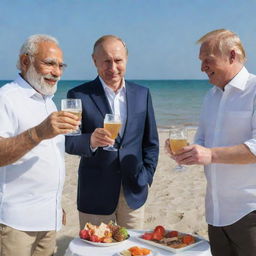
<point x="78" y="247"/>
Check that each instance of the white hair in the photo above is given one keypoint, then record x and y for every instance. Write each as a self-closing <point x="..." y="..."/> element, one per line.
<point x="30" y="45"/>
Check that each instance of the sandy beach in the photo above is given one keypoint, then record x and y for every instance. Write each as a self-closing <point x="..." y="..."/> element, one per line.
<point x="176" y="199"/>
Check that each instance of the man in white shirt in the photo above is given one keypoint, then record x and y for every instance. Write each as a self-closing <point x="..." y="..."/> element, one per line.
<point x="32" y="167"/>
<point x="113" y="185"/>
<point x="226" y="145"/>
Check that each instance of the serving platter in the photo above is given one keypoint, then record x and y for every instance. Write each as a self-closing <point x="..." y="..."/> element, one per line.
<point x="198" y="240"/>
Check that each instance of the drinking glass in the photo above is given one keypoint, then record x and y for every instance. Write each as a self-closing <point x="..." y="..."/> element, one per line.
<point x="178" y="138"/>
<point x="113" y="124"/>
<point x="73" y="106"/>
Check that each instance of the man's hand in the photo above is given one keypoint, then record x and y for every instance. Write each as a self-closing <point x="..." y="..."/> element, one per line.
<point x="167" y="148"/>
<point x="101" y="138"/>
<point x="60" y="122"/>
<point x="194" y="154"/>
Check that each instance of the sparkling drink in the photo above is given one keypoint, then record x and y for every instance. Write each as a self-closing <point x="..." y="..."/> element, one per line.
<point x="177" y="144"/>
<point x="112" y="123"/>
<point x="73" y="106"/>
<point x="76" y="112"/>
<point x="178" y="138"/>
<point x="113" y="128"/>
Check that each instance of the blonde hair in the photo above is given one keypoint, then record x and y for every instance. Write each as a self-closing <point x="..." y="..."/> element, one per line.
<point x="224" y="41"/>
<point x="105" y="38"/>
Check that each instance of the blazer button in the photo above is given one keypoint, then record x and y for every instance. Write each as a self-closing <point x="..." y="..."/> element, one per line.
<point x="121" y="147"/>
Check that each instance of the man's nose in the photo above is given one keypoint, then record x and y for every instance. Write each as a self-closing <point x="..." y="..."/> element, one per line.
<point x="204" y="67"/>
<point x="112" y="66"/>
<point x="57" y="71"/>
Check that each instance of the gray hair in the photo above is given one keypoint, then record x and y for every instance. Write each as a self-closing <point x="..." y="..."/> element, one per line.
<point x="29" y="47"/>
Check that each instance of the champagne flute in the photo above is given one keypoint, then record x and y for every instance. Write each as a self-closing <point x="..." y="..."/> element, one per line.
<point x="73" y="106"/>
<point x="113" y="124"/>
<point x="178" y="138"/>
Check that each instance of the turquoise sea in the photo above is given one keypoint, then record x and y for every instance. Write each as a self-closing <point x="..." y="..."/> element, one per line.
<point x="175" y="101"/>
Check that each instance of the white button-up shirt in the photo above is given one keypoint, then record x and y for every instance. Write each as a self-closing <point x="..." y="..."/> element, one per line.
<point x="228" y="118"/>
<point x="30" y="189"/>
<point x="117" y="102"/>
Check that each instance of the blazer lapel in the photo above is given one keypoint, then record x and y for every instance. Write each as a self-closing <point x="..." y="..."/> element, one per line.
<point x="130" y="105"/>
<point x="100" y="98"/>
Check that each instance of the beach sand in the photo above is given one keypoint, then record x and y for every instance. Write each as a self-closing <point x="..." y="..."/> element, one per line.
<point x="176" y="199"/>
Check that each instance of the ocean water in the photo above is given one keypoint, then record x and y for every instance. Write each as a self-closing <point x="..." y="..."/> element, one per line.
<point x="174" y="101"/>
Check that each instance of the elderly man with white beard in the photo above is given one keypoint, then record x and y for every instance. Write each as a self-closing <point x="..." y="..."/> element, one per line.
<point x="32" y="151"/>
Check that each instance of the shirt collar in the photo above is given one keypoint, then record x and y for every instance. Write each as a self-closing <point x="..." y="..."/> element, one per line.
<point x="28" y="89"/>
<point x="107" y="88"/>
<point x="239" y="81"/>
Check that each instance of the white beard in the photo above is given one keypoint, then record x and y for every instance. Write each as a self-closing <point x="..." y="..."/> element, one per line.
<point x="37" y="81"/>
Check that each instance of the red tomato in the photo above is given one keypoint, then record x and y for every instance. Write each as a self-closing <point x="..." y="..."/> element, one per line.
<point x="187" y="239"/>
<point x="172" y="234"/>
<point x="147" y="236"/>
<point x="159" y="229"/>
<point x="84" y="234"/>
<point x="157" y="236"/>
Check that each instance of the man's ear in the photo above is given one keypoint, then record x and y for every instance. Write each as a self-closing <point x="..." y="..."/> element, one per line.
<point x="232" y="56"/>
<point x="24" y="62"/>
<point x="94" y="60"/>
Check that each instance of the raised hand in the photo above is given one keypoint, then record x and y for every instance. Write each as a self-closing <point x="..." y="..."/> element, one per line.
<point x="60" y="122"/>
<point x="101" y="138"/>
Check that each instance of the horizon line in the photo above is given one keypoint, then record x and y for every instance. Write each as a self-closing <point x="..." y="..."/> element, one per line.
<point x="137" y="79"/>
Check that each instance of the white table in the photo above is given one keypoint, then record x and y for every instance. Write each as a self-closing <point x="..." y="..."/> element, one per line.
<point x="79" y="248"/>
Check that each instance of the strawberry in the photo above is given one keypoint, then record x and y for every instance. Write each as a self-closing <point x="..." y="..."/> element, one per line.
<point x="84" y="234"/>
<point x="95" y="238"/>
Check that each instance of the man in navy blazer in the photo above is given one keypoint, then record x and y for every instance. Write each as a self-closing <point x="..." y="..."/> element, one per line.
<point x="113" y="185"/>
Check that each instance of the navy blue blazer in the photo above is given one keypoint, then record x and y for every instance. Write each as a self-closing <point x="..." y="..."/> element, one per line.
<point x="101" y="174"/>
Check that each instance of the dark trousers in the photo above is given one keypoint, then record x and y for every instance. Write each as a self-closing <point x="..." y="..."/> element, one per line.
<point x="238" y="239"/>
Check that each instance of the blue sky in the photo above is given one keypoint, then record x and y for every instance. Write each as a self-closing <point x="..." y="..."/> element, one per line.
<point x="160" y="34"/>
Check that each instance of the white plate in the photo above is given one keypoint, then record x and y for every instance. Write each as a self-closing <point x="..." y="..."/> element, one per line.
<point x="174" y="250"/>
<point x="103" y="244"/>
<point x="153" y="253"/>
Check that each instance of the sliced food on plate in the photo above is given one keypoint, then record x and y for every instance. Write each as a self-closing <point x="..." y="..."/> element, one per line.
<point x="104" y="233"/>
<point x="169" y="239"/>
<point x="136" y="251"/>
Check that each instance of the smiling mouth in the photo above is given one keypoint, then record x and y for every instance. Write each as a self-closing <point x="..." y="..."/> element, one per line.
<point x="51" y="81"/>
<point x="210" y="74"/>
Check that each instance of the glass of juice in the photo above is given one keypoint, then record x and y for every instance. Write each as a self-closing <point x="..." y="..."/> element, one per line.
<point x="73" y="106"/>
<point x="113" y="124"/>
<point x="178" y="138"/>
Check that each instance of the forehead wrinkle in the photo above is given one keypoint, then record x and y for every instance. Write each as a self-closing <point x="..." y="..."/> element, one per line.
<point x="51" y="59"/>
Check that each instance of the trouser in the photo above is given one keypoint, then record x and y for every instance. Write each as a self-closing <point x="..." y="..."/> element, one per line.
<point x="237" y="239"/>
<point x="123" y="216"/>
<point x="15" y="242"/>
